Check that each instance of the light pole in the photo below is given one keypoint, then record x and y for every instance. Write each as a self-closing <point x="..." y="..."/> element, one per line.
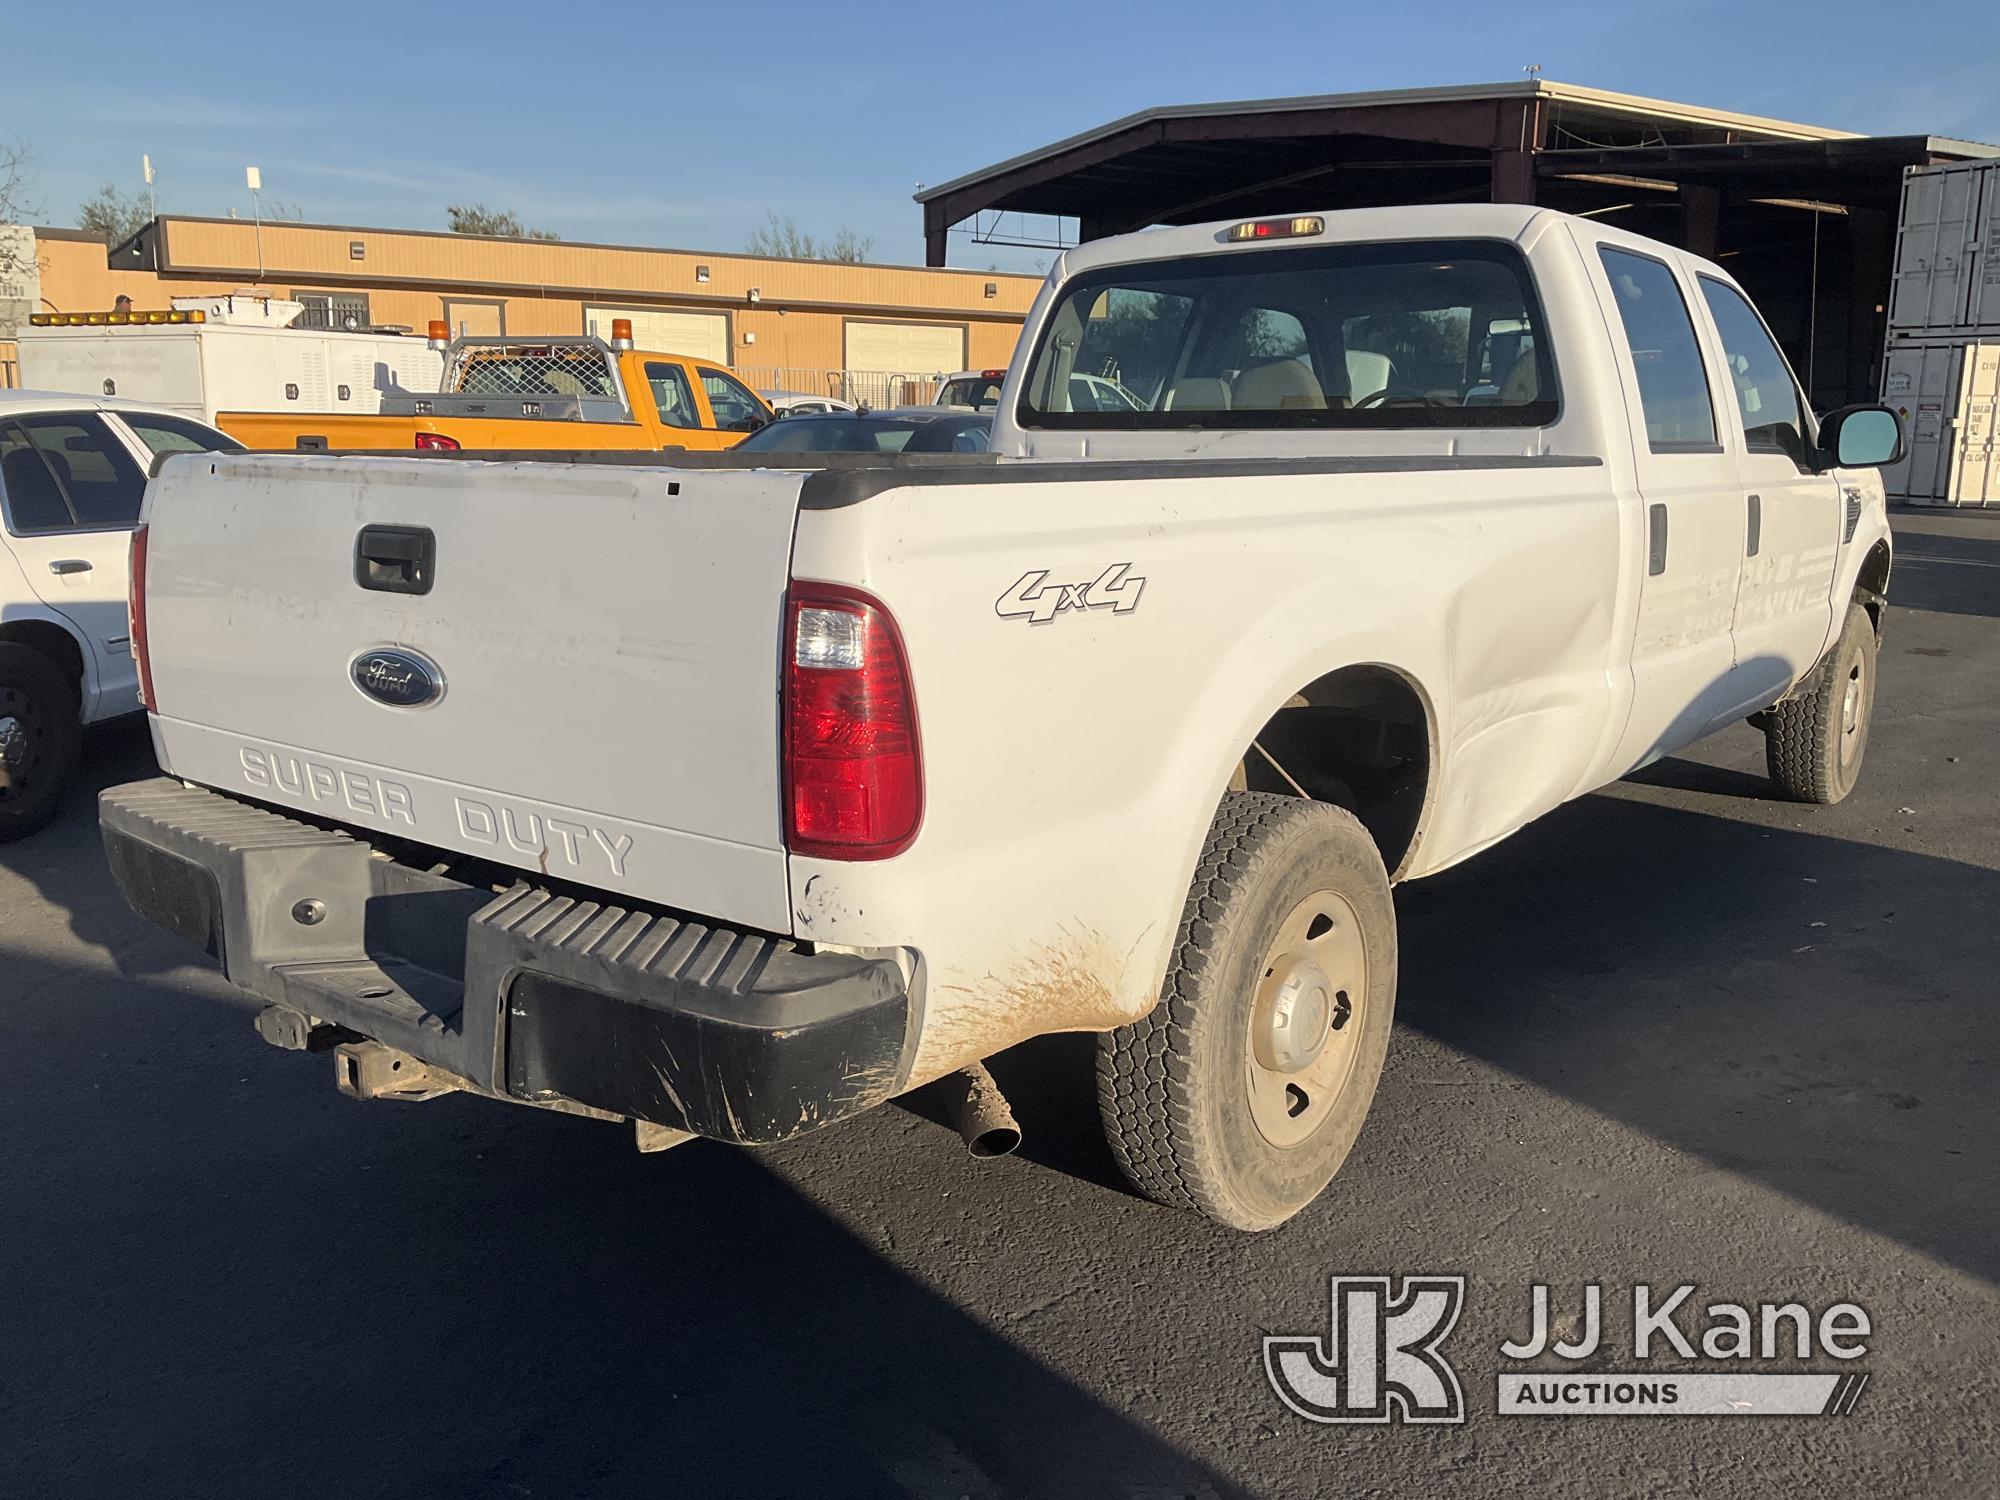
<point x="255" y="178"/>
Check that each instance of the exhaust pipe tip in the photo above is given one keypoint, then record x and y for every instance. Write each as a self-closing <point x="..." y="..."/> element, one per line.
<point x="980" y="1113"/>
<point x="998" y="1141"/>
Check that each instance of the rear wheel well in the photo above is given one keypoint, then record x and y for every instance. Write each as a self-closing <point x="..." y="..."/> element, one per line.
<point x="52" y="641"/>
<point x="1360" y="738"/>
<point x="1871" y="587"/>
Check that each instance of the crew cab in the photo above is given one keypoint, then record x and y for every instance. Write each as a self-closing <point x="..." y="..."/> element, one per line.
<point x="770" y="793"/>
<point x="72" y="475"/>
<point x="578" y="393"/>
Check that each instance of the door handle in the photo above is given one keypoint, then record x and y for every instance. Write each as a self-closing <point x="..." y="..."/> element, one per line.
<point x="1756" y="525"/>
<point x="1656" y="541"/>
<point x="62" y="567"/>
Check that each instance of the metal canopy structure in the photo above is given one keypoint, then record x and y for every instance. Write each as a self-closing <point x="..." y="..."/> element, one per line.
<point x="1803" y="215"/>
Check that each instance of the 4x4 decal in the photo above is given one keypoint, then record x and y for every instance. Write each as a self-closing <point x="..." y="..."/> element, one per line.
<point x="1038" y="599"/>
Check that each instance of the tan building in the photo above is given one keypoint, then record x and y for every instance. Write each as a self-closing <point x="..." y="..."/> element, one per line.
<point x="787" y="324"/>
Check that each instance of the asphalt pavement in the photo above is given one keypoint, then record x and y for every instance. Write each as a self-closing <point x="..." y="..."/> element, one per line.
<point x="1676" y="1032"/>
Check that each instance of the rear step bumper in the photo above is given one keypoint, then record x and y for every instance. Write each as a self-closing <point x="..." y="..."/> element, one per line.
<point x="527" y="995"/>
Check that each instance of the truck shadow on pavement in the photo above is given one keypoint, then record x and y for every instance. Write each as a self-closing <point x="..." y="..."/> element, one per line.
<point x="225" y="1280"/>
<point x="1812" y="1013"/>
<point x="65" y="861"/>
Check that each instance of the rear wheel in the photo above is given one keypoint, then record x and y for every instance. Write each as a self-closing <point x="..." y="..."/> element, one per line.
<point x="40" y="739"/>
<point x="1815" y="740"/>
<point x="1242" y="1093"/>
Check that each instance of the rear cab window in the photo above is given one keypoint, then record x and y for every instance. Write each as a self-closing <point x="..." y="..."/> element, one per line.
<point x="1404" y="334"/>
<point x="979" y="392"/>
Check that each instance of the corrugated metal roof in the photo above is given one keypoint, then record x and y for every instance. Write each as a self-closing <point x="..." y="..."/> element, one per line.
<point x="1635" y="106"/>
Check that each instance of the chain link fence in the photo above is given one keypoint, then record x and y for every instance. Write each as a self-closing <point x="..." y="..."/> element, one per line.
<point x="872" y="388"/>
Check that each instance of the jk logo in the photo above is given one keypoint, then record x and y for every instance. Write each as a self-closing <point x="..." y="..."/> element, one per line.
<point x="1379" y="1361"/>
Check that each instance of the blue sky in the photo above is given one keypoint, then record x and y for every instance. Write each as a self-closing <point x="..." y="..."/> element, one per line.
<point x="682" y="124"/>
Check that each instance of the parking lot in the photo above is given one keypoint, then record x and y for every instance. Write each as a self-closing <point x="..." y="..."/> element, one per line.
<point x="1673" y="1033"/>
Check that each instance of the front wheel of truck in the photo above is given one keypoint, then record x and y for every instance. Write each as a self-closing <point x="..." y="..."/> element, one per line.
<point x="1243" y="1090"/>
<point x="1814" y="741"/>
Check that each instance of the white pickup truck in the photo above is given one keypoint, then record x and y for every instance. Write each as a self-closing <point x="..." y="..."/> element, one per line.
<point x="736" y="801"/>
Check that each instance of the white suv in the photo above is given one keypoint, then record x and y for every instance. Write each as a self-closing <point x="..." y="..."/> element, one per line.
<point x="72" y="472"/>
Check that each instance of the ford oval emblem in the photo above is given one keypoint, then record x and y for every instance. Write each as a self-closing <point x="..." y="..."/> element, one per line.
<point x="401" y="679"/>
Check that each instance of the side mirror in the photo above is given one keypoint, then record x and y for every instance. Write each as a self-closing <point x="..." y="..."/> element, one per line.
<point x="1861" y="437"/>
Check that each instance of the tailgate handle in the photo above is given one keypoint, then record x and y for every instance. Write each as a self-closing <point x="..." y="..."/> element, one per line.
<point x="395" y="559"/>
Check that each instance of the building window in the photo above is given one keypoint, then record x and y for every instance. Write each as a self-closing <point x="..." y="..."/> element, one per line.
<point x="332" y="309"/>
<point x="478" y="317"/>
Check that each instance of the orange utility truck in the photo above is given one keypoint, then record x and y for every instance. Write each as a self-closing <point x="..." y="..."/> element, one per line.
<point x="572" y="393"/>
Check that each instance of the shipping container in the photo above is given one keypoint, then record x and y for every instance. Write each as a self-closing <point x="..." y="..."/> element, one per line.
<point x="1947" y="252"/>
<point x="1948" y="392"/>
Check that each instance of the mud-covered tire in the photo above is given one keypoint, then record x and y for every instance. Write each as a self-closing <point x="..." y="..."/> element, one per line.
<point x="41" y="740"/>
<point x="1176" y="1088"/>
<point x="1815" y="740"/>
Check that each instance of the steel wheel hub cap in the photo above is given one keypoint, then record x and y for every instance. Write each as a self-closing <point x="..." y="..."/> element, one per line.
<point x="1293" y="1025"/>
<point x="1305" y="1021"/>
<point x="13" y="745"/>
<point x="1850" y="703"/>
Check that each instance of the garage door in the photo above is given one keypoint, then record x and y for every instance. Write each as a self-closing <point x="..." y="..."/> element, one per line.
<point x="704" y="335"/>
<point x="911" y="348"/>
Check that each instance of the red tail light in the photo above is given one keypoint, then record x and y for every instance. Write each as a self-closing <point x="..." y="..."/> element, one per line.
<point x="136" y="621"/>
<point x="438" y="442"/>
<point x="854" y="781"/>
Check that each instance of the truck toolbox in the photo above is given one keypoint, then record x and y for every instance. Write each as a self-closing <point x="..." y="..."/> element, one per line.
<point x="526" y="995"/>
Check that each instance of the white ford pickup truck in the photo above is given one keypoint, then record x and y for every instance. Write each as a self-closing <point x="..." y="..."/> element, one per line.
<point x="734" y="801"/>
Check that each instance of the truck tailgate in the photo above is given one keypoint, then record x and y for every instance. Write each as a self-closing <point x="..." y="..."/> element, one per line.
<point x="602" y="641"/>
<point x="281" y="431"/>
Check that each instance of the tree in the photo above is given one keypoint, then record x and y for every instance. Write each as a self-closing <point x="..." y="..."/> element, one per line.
<point x="17" y="244"/>
<point x="115" y="215"/>
<point x="784" y="239"/>
<point x="17" y="171"/>
<point x="477" y="218"/>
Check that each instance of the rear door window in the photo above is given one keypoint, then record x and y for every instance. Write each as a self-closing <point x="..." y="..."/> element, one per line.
<point x="34" y="501"/>
<point x="1673" y="384"/>
<point x="673" y="397"/>
<point x="68" y="472"/>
